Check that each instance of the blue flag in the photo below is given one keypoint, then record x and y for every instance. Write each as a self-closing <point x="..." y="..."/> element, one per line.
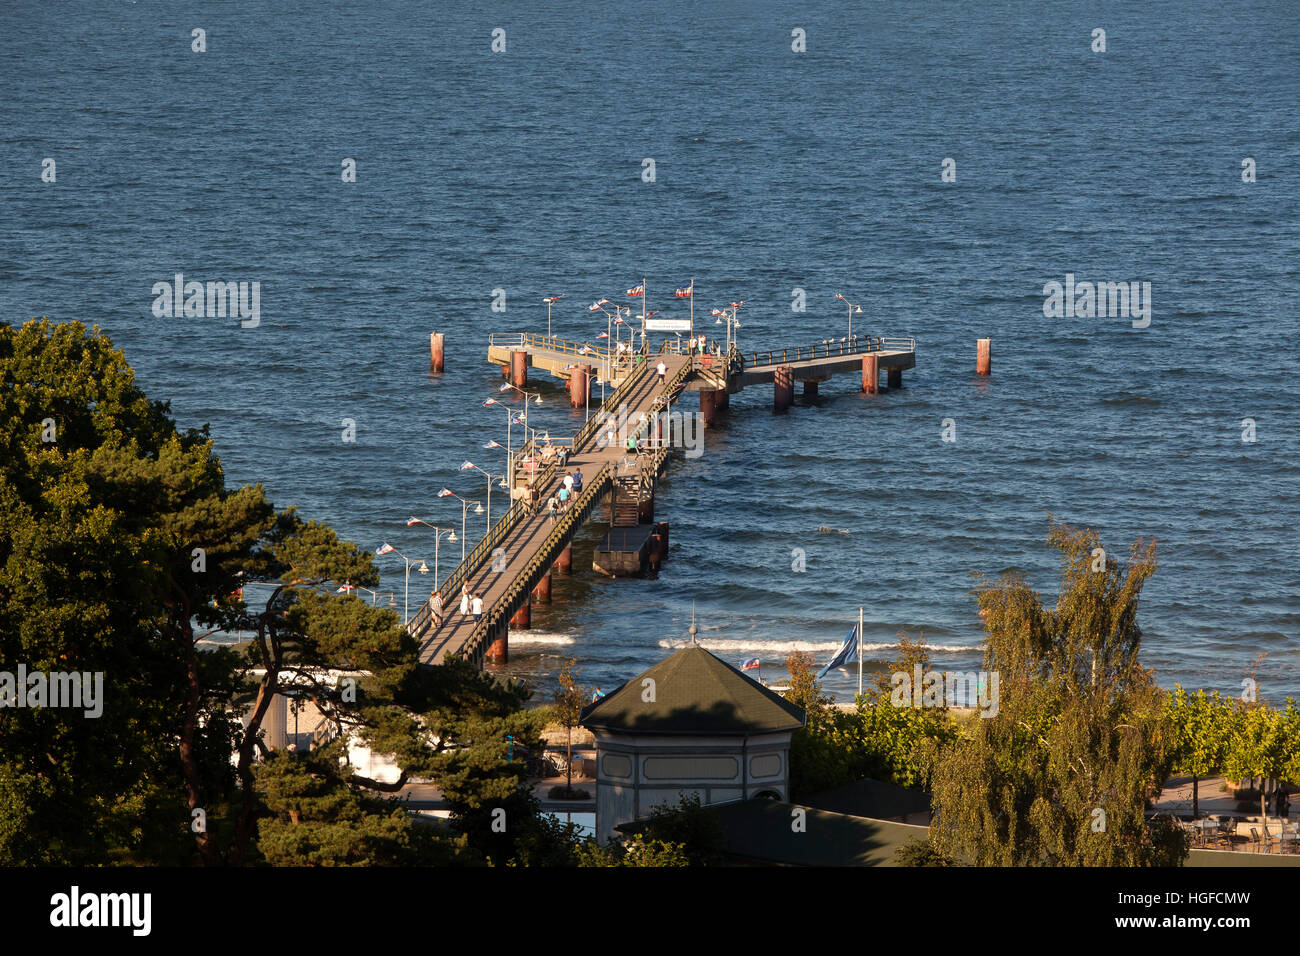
<point x="846" y="654"/>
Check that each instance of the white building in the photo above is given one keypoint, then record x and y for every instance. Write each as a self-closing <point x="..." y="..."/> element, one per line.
<point x="690" y="724"/>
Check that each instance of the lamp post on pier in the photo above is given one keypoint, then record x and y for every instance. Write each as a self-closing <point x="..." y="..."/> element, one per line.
<point x="490" y="477"/>
<point x="423" y="568"/>
<point x="438" y="533"/>
<point x="551" y="300"/>
<point x="464" y="514"/>
<point x="852" y="309"/>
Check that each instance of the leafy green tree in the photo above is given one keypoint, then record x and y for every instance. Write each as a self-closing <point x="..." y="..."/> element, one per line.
<point x="919" y="852"/>
<point x="120" y="548"/>
<point x="569" y="699"/>
<point x="1201" y="727"/>
<point x="1063" y="773"/>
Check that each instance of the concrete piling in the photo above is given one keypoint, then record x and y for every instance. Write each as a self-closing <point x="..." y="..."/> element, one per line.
<point x="542" y="592"/>
<point x="564" y="563"/>
<point x="523" y="617"/>
<point x="782" y="389"/>
<point x="436" y="343"/>
<point x="518" y="369"/>
<point x="871" y="373"/>
<point x="579" y="385"/>
<point x="498" y="651"/>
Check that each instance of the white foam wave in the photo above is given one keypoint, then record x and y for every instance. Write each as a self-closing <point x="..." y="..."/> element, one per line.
<point x="530" y="637"/>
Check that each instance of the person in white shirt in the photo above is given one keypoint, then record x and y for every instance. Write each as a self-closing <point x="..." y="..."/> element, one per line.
<point x="464" y="600"/>
<point x="477" y="604"/>
<point x="662" y="370"/>
<point x="568" y="483"/>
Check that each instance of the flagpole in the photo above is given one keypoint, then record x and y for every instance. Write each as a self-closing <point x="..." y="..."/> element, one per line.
<point x="643" y="308"/>
<point x="859" y="651"/>
<point x="692" y="306"/>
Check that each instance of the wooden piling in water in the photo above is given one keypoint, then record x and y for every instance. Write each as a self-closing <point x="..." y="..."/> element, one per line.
<point x="983" y="356"/>
<point x="498" y="651"/>
<point x="518" y="369"/>
<point x="542" y="592"/>
<point x="564" y="563"/>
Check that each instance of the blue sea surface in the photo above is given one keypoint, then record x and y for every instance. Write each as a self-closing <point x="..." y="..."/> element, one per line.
<point x="774" y="171"/>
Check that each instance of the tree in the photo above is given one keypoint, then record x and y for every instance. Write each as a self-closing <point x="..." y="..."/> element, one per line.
<point x="1063" y="773"/>
<point x="569" y="699"/>
<point x="120" y="548"/>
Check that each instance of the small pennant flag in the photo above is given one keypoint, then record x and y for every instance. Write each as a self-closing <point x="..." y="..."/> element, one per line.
<point x="519" y="420"/>
<point x="751" y="664"/>
<point x="737" y="305"/>
<point x="603" y="335"/>
<point x="505" y="387"/>
<point x="385" y="548"/>
<point x="595" y="306"/>
<point x="491" y="401"/>
<point x="467" y="466"/>
<point x="587" y="350"/>
<point x="685" y="291"/>
<point x="492" y="444"/>
<point x="619" y="321"/>
<point x="446" y="493"/>
<point x="636" y="290"/>
<point x="650" y="313"/>
<point x="413" y="520"/>
<point x="554" y="298"/>
<point x="717" y="311"/>
<point x="346" y="589"/>
<point x="838" y="296"/>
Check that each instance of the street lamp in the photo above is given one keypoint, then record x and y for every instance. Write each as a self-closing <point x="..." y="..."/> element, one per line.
<point x="549" y="300"/>
<point x="470" y="465"/>
<point x="374" y="595"/>
<point x="437" y="539"/>
<point x="733" y="322"/>
<point x="387" y="548"/>
<point x="464" y="513"/>
<point x="852" y="309"/>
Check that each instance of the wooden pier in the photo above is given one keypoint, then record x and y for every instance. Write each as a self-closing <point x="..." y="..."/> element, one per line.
<point x="513" y="564"/>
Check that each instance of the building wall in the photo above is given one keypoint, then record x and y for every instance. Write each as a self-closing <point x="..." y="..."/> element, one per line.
<point x="634" y="773"/>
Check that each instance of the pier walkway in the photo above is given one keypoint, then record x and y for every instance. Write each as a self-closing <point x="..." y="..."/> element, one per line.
<point x="512" y="565"/>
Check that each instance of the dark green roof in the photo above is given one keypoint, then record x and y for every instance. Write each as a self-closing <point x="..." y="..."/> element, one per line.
<point x="695" y="693"/>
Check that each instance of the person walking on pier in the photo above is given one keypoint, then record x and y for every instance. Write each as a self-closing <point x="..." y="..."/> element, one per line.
<point x="551" y="508"/>
<point x="662" y="369"/>
<point x="577" y="480"/>
<point x="435" y="608"/>
<point x="564" y="499"/>
<point x="464" y="599"/>
<point x="568" y="481"/>
<point x="477" y="605"/>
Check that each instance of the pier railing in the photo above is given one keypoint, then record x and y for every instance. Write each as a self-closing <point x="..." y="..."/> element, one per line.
<point x="532" y="572"/>
<point x="855" y="346"/>
<point x="518" y="341"/>
<point x="482" y="551"/>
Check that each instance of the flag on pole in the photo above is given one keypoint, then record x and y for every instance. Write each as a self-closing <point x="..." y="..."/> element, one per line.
<point x="603" y="335"/>
<point x="346" y="589"/>
<point x="446" y="493"/>
<point x="717" y="311"/>
<point x="385" y="548"/>
<point x="491" y="401"/>
<point x="505" y="387"/>
<point x="595" y="306"/>
<point x="638" y="289"/>
<point x="467" y="466"/>
<point x="413" y="520"/>
<point x="750" y="665"/>
<point x="554" y="298"/>
<point x="518" y="420"/>
<point x="846" y="654"/>
<point x="685" y="291"/>
<point x="492" y="444"/>
<point x="648" y="314"/>
<point x="737" y="305"/>
<point x="619" y="321"/>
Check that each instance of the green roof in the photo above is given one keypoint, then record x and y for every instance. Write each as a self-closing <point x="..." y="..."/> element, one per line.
<point x="694" y="693"/>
